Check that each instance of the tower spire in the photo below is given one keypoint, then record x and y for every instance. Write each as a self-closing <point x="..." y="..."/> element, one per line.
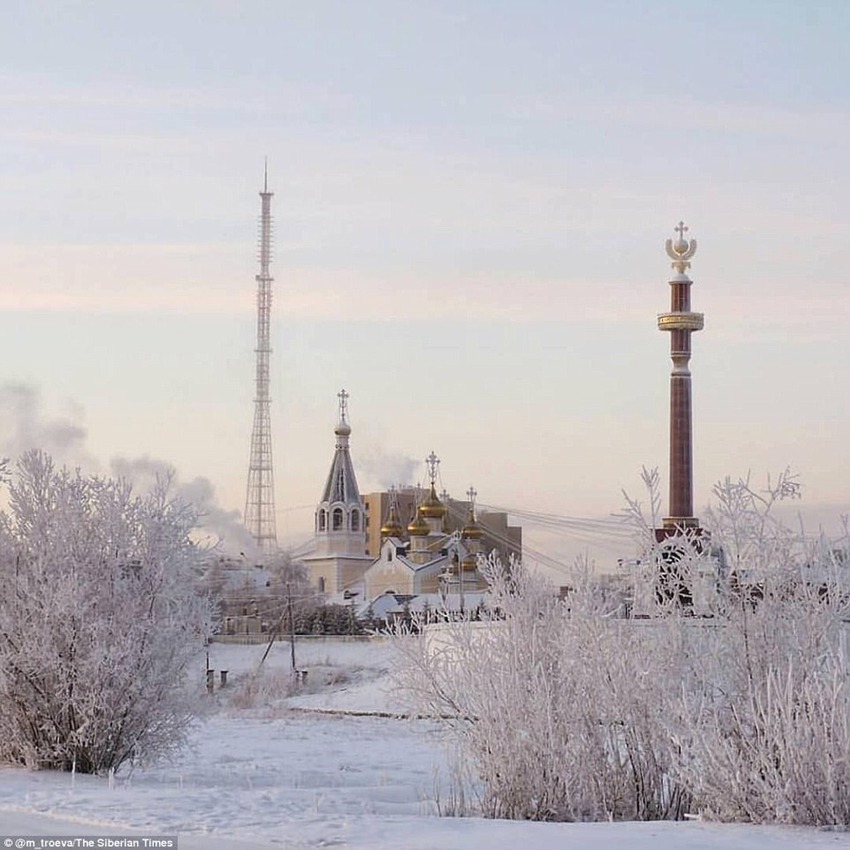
<point x="259" y="500"/>
<point x="681" y="323"/>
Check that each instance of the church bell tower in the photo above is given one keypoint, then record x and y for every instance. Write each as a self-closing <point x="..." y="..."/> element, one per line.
<point x="339" y="558"/>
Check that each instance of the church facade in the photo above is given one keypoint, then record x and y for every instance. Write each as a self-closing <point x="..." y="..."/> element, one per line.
<point x="422" y="557"/>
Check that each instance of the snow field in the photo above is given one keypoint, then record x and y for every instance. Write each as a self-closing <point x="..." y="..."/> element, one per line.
<point x="268" y="776"/>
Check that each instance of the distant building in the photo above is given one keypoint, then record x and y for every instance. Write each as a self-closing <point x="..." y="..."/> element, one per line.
<point x="378" y="508"/>
<point x="405" y="542"/>
<point x="506" y="539"/>
<point x="242" y="592"/>
<point x="428" y="558"/>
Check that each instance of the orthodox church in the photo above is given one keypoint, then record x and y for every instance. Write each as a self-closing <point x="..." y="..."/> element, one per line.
<point x="427" y="559"/>
<point x="423" y="558"/>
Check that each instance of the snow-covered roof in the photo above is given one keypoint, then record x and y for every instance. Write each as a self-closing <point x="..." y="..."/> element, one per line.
<point x="440" y="557"/>
<point x="452" y="601"/>
<point x="389" y="604"/>
<point x="239" y="577"/>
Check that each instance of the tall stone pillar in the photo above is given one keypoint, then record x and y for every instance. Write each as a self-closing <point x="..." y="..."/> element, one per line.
<point x="681" y="322"/>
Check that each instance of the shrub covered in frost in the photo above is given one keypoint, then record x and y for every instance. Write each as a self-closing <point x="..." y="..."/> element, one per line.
<point x="555" y="704"/>
<point x="765" y="720"/>
<point x="98" y="620"/>
<point x="734" y="701"/>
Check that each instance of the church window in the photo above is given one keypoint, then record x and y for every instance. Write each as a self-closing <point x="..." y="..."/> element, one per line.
<point x="337" y="519"/>
<point x="321" y="584"/>
<point x="322" y="520"/>
<point x="355" y="520"/>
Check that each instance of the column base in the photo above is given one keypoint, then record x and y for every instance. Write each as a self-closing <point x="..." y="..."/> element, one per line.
<point x="677" y="524"/>
<point x="681" y="522"/>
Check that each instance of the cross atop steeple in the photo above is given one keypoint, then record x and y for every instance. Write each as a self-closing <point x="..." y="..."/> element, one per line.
<point x="432" y="462"/>
<point x="472" y="493"/>
<point x="343" y="397"/>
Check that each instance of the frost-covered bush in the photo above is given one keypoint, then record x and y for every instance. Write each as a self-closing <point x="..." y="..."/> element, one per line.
<point x="263" y="688"/>
<point x="555" y="704"/>
<point x="765" y="722"/>
<point x="728" y="695"/>
<point x="99" y="621"/>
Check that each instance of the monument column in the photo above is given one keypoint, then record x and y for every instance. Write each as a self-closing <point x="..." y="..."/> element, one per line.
<point x="681" y="322"/>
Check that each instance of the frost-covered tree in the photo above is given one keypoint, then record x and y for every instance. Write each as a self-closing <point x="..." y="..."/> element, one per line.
<point x="99" y="621"/>
<point x="729" y="695"/>
<point x="553" y="706"/>
<point x="764" y="724"/>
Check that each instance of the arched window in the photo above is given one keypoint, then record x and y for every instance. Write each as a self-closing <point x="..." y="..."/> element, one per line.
<point x="321" y="584"/>
<point x="322" y="519"/>
<point x="337" y="519"/>
<point x="355" y="520"/>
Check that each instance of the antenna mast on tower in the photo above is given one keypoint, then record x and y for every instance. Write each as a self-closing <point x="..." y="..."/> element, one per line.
<point x="259" y="502"/>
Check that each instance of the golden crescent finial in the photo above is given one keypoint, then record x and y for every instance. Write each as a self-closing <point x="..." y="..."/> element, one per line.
<point x="682" y="250"/>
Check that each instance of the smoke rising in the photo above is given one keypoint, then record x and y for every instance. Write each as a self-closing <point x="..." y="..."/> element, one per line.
<point x="221" y="527"/>
<point x="25" y="423"/>
<point x="387" y="468"/>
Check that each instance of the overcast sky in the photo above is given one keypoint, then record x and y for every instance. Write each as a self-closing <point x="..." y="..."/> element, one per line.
<point x="471" y="203"/>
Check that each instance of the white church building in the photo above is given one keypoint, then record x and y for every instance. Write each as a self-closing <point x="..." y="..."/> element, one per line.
<point x="424" y="560"/>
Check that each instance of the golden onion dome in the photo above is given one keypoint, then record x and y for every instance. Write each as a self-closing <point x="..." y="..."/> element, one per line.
<point x="418" y="527"/>
<point x="469" y="563"/>
<point x="471" y="530"/>
<point x="432" y="507"/>
<point x="392" y="527"/>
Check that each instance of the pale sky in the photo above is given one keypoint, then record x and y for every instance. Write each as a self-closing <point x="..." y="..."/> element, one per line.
<point x="471" y="203"/>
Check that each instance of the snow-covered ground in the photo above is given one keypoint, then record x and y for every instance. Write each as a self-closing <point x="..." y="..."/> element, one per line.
<point x="266" y="769"/>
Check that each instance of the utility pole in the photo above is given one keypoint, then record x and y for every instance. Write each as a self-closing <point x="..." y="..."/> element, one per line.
<point x="291" y="625"/>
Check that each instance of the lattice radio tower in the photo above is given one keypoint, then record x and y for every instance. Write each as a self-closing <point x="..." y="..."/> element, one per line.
<point x="259" y="502"/>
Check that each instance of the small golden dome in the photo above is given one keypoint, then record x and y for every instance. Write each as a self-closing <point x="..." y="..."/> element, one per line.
<point x="418" y="527"/>
<point x="469" y="563"/>
<point x="471" y="530"/>
<point x="392" y="527"/>
<point x="432" y="507"/>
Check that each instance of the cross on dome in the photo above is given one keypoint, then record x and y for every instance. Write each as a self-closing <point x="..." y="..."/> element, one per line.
<point x="432" y="462"/>
<point x="472" y="493"/>
<point x="343" y="397"/>
<point x="682" y="229"/>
